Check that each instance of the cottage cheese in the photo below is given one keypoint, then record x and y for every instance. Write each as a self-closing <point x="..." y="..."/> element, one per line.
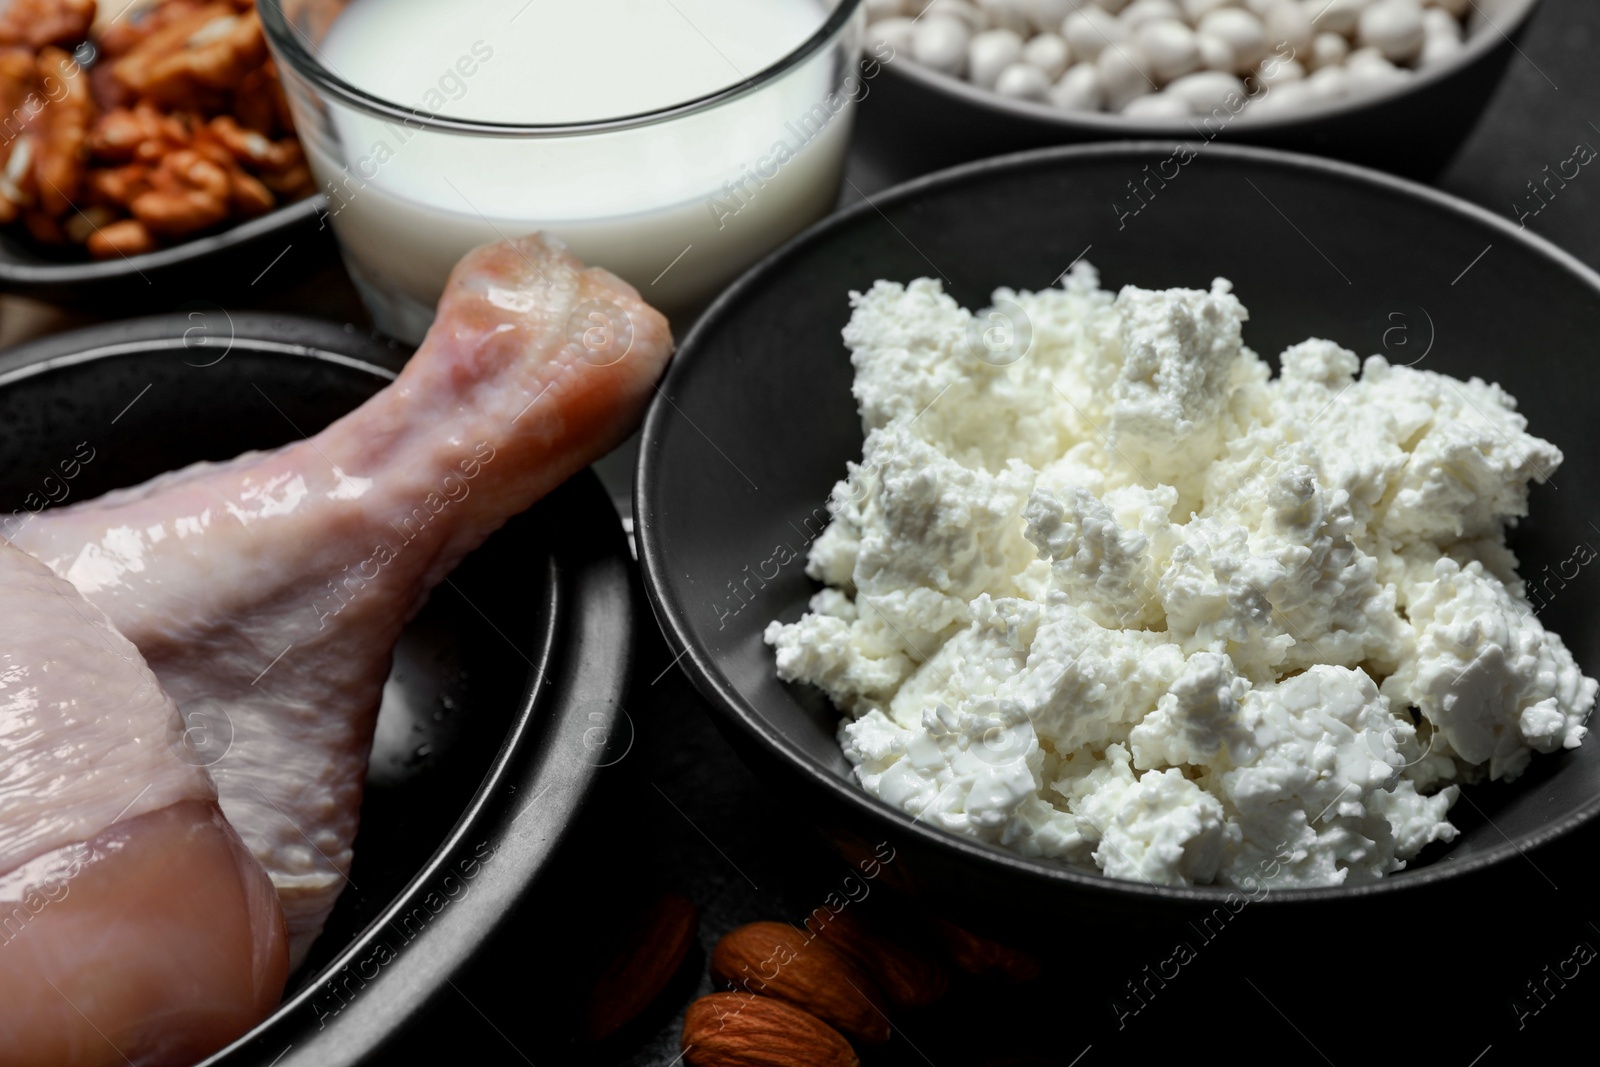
<point x="1101" y="590"/>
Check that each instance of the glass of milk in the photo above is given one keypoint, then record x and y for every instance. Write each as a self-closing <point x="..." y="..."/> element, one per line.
<point x="672" y="141"/>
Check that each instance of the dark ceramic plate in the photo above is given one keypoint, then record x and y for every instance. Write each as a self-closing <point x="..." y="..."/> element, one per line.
<point x="503" y="692"/>
<point x="213" y="267"/>
<point x="757" y="421"/>
<point x="917" y="113"/>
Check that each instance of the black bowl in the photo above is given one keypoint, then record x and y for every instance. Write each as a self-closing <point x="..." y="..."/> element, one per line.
<point x="504" y="691"/>
<point x="254" y="255"/>
<point x="912" y="112"/>
<point x="756" y="422"/>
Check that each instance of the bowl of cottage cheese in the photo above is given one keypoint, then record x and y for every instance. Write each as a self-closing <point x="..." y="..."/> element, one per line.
<point x="1238" y="543"/>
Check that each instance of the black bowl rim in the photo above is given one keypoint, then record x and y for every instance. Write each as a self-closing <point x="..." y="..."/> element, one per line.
<point x="23" y="274"/>
<point x="576" y="591"/>
<point x="1107" y="124"/>
<point x="700" y="665"/>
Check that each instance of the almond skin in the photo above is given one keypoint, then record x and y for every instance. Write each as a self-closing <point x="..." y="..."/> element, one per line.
<point x="909" y="979"/>
<point x="984" y="958"/>
<point x="739" y="1030"/>
<point x="777" y="960"/>
<point x="641" y="969"/>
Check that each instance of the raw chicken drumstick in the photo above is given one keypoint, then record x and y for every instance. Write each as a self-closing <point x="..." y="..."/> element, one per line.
<point x="271" y="589"/>
<point x="134" y="926"/>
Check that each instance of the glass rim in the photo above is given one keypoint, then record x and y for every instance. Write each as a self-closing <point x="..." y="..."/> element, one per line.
<point x="290" y="45"/>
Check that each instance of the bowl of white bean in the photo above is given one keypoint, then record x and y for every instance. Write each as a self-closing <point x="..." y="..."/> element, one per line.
<point x="1395" y="84"/>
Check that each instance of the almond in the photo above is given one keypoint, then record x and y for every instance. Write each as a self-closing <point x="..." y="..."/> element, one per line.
<point x="909" y="979"/>
<point x="780" y="961"/>
<point x="740" y="1030"/>
<point x="984" y="958"/>
<point x="641" y="969"/>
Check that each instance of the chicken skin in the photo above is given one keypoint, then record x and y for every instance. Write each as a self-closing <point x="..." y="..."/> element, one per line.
<point x="135" y="927"/>
<point x="267" y="592"/>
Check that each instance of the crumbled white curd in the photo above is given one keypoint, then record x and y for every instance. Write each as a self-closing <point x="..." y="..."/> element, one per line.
<point x="1129" y="600"/>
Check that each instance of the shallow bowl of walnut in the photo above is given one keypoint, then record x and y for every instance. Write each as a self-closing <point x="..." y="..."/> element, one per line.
<point x="499" y="707"/>
<point x="211" y="268"/>
<point x="757" y="422"/>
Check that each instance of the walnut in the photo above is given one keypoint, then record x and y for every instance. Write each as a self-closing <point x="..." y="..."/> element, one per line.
<point x="139" y="21"/>
<point x="248" y="196"/>
<point x="251" y="148"/>
<point x="181" y="123"/>
<point x="19" y="82"/>
<point x="142" y="133"/>
<point x="259" y="103"/>
<point x="19" y="78"/>
<point x="80" y="225"/>
<point x="187" y="193"/>
<point x="37" y="23"/>
<point x="119" y="185"/>
<point x="292" y="184"/>
<point x="188" y="63"/>
<point x="126" y="237"/>
<point x="62" y="127"/>
<point x="44" y="228"/>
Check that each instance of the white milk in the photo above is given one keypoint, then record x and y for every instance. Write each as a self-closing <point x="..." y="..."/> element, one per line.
<point x="677" y="208"/>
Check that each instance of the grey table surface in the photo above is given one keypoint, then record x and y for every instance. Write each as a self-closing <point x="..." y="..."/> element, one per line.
<point x="681" y="811"/>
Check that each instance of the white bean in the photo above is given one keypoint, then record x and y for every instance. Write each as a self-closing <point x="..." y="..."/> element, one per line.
<point x="1285" y="97"/>
<point x="1274" y="72"/>
<point x="1328" y="50"/>
<point x="1090" y="30"/>
<point x="1047" y="15"/>
<point x="1157" y="106"/>
<point x="896" y="33"/>
<point x="1079" y="89"/>
<point x="964" y="10"/>
<point x="1117" y="55"/>
<point x="1215" y="53"/>
<point x="1023" y="81"/>
<point x="1195" y="9"/>
<point x="940" y="43"/>
<point x="1242" y="30"/>
<point x="1394" y="27"/>
<point x="1370" y="72"/>
<point x="1329" y="83"/>
<point x="1171" y="47"/>
<point x="1287" y="23"/>
<point x="1389" y="80"/>
<point x="1205" y="90"/>
<point x="1142" y="11"/>
<point x="1439" y="48"/>
<point x="1124" y="74"/>
<point x="989" y="53"/>
<point x="1005" y="15"/>
<point x="1363" y="56"/>
<point x="1335" y="16"/>
<point x="1048" y="52"/>
<point x="1438" y="20"/>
